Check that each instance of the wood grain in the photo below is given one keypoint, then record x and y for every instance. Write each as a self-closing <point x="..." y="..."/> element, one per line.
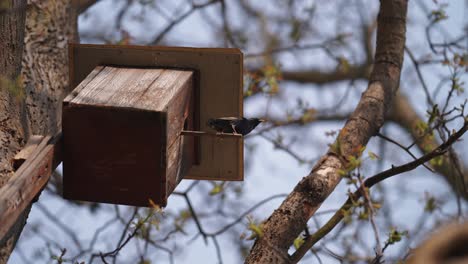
<point x="112" y="155"/>
<point x="218" y="92"/>
<point x="144" y="89"/>
<point x="26" y="152"/>
<point x="122" y="138"/>
<point x="28" y="180"/>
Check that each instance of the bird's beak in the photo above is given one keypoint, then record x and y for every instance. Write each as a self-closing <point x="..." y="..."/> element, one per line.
<point x="262" y="120"/>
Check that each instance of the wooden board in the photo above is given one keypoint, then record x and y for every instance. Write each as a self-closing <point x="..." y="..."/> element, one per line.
<point x="122" y="135"/>
<point x="218" y="92"/>
<point x="26" y="152"/>
<point x="43" y="156"/>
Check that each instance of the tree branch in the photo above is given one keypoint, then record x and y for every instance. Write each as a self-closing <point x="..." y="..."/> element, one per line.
<point x="404" y="114"/>
<point x="83" y="5"/>
<point x="286" y="223"/>
<point x="320" y="77"/>
<point x="182" y="17"/>
<point x="368" y="183"/>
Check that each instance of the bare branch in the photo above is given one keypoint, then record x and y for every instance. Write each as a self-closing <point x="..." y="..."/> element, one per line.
<point x="286" y="223"/>
<point x="182" y="17"/>
<point x="83" y="5"/>
<point x="368" y="183"/>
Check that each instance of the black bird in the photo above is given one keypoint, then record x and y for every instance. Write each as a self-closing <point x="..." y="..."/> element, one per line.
<point x="234" y="125"/>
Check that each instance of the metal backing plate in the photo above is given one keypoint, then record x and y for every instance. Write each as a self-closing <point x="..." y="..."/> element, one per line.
<point x="218" y="92"/>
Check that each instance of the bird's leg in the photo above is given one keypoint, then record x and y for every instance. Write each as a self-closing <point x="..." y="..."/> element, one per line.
<point x="218" y="134"/>
<point x="234" y="129"/>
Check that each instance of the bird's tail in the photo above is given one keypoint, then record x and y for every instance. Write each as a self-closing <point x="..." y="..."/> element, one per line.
<point x="210" y="122"/>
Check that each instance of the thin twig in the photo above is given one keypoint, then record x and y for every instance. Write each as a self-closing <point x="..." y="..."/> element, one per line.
<point x="176" y="21"/>
<point x="402" y="147"/>
<point x="368" y="183"/>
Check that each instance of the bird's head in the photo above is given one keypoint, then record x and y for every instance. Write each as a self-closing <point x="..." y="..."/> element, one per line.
<point x="255" y="121"/>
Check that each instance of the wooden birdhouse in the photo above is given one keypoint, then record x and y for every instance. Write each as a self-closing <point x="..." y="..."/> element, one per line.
<point x="122" y="123"/>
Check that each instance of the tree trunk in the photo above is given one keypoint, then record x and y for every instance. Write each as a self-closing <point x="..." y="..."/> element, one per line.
<point x="49" y="26"/>
<point x="12" y="21"/>
<point x="290" y="219"/>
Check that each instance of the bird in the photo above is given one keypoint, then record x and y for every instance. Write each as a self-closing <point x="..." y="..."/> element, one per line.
<point x="234" y="125"/>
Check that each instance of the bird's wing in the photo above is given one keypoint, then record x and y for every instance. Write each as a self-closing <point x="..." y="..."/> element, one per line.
<point x="221" y="124"/>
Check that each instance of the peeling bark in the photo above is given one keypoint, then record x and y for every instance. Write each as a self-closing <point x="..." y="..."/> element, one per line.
<point x="286" y="223"/>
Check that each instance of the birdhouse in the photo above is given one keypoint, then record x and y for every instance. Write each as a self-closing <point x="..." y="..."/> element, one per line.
<point x="123" y="122"/>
